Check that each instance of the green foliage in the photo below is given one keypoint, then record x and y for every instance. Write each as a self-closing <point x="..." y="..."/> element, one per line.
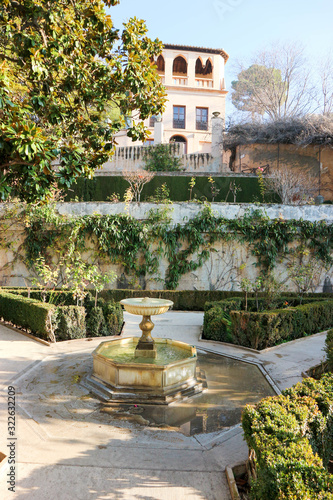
<point x="61" y="322"/>
<point x="259" y="330"/>
<point x="70" y="323"/>
<point x="96" y="325"/>
<point x="217" y="323"/>
<point x="161" y="195"/>
<point x="213" y="189"/>
<point x="68" y="80"/>
<point x="101" y="187"/>
<point x="287" y="433"/>
<point x="139" y="245"/>
<point x="329" y="349"/>
<point x="191" y="185"/>
<point x="103" y="319"/>
<point x="159" y="158"/>
<point x="28" y="313"/>
<point x="254" y="85"/>
<point x="114" y="318"/>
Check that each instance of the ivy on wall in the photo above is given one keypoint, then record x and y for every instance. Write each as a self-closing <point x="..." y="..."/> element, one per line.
<point x="139" y="245"/>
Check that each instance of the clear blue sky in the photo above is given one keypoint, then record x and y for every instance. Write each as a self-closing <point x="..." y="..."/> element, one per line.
<point x="240" y="27"/>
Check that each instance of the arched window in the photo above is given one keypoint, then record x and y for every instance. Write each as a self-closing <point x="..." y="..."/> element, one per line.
<point x="179" y="66"/>
<point x="198" y="67"/>
<point x="203" y="70"/>
<point x="160" y="64"/>
<point x="181" y="140"/>
<point x="208" y="70"/>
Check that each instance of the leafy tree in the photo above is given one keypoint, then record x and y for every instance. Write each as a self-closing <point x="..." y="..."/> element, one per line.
<point x="251" y="91"/>
<point x="65" y="71"/>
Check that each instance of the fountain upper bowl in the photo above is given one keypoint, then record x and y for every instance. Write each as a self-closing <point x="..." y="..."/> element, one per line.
<point x="146" y="306"/>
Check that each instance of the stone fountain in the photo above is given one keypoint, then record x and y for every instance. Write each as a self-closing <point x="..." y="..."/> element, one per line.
<point x="144" y="369"/>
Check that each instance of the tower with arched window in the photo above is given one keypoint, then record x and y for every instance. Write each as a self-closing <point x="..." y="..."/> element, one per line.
<point x="195" y="86"/>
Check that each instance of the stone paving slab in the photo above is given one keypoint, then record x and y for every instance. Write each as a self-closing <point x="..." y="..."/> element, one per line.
<point x="67" y="449"/>
<point x="65" y="482"/>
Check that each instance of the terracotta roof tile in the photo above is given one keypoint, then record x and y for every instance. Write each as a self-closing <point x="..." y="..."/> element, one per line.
<point x="197" y="49"/>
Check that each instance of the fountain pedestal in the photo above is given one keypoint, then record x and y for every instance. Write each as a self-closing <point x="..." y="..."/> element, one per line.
<point x="146" y="346"/>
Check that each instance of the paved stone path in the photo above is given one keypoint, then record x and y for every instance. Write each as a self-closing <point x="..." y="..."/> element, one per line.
<point x="66" y="449"/>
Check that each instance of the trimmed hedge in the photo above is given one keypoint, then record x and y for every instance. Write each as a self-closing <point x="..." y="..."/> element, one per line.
<point x="70" y="322"/>
<point x="110" y="324"/>
<point x="184" y="300"/>
<point x="226" y="322"/>
<point x="28" y="313"/>
<point x="292" y="437"/>
<point x="100" y="188"/>
<point x="329" y="349"/>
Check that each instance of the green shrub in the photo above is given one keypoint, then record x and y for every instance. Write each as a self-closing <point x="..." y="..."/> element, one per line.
<point x="70" y="323"/>
<point x="28" y="313"/>
<point x="160" y="158"/>
<point x="217" y="321"/>
<point x="292" y="435"/>
<point x="329" y="349"/>
<point x="96" y="325"/>
<point x="259" y="330"/>
<point x="114" y="318"/>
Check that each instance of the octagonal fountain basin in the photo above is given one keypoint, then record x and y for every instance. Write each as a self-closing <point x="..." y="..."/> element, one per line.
<point x="120" y="375"/>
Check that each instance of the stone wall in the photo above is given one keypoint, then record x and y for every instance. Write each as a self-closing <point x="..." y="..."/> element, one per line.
<point x="314" y="160"/>
<point x="220" y="272"/>
<point x="131" y="158"/>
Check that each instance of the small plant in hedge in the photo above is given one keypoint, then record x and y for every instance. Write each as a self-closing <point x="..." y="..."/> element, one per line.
<point x="162" y="195"/>
<point x="234" y="188"/>
<point x="214" y="191"/>
<point x="191" y="185"/>
<point x="98" y="280"/>
<point x="137" y="179"/>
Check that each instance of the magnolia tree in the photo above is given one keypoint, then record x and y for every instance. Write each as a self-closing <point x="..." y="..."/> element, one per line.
<point x="68" y="81"/>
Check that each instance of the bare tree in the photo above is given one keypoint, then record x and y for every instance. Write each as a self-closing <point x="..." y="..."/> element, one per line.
<point x="293" y="186"/>
<point x="326" y="85"/>
<point x="278" y="85"/>
<point x="137" y="179"/>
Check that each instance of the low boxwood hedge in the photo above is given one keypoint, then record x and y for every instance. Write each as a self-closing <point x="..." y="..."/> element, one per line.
<point x="28" y="313"/>
<point x="292" y="437"/>
<point x="184" y="300"/>
<point x="67" y="321"/>
<point x="225" y="321"/>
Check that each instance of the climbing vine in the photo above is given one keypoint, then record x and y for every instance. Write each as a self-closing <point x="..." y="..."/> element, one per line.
<point x="139" y="245"/>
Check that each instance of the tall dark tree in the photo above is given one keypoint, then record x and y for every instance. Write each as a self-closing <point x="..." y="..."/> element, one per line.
<point x="63" y="68"/>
